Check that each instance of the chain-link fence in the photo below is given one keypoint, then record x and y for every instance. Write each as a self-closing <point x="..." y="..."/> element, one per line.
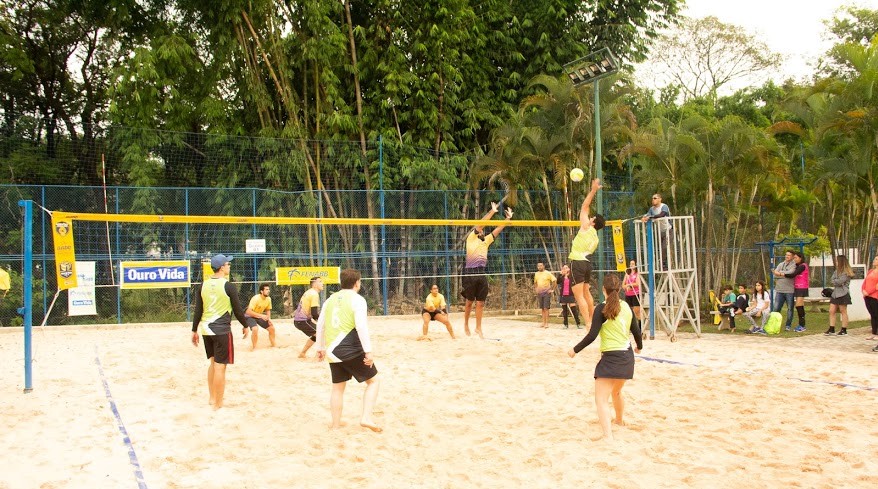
<point x="398" y="263"/>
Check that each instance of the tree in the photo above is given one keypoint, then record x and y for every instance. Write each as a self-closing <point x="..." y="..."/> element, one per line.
<point x="850" y="25"/>
<point x="703" y="56"/>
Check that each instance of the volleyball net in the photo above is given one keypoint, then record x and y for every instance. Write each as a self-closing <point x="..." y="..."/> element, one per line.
<point x="151" y="263"/>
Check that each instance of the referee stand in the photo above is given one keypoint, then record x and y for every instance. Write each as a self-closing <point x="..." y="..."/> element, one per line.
<point x="668" y="272"/>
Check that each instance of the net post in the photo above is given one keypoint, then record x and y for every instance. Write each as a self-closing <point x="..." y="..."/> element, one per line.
<point x="27" y="291"/>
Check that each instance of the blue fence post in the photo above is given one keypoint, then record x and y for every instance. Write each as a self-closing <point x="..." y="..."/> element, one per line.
<point x="447" y="249"/>
<point x="504" y="256"/>
<point x="255" y="259"/>
<point x="27" y="286"/>
<point x="43" y="246"/>
<point x="383" y="230"/>
<point x="119" y="250"/>
<point x="650" y="262"/>
<point x="185" y="252"/>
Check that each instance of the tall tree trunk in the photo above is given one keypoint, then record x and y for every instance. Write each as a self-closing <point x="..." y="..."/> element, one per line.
<point x="370" y="208"/>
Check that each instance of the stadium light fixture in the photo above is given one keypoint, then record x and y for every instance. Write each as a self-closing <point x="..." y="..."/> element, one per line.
<point x="590" y="69"/>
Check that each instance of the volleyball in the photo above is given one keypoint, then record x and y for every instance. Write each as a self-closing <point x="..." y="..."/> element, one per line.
<point x="576" y="174"/>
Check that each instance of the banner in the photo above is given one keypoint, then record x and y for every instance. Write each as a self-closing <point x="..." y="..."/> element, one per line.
<point x="619" y="246"/>
<point x="302" y="275"/>
<point x="206" y="270"/>
<point x="81" y="299"/>
<point x="65" y="258"/>
<point x="154" y="274"/>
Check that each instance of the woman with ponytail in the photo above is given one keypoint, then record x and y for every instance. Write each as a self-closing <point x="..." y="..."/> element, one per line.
<point x="612" y="320"/>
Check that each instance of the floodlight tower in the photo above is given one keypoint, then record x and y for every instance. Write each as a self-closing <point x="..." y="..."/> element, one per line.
<point x="590" y="69"/>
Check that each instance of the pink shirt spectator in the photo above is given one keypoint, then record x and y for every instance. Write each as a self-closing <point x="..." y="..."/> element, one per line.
<point x="631" y="279"/>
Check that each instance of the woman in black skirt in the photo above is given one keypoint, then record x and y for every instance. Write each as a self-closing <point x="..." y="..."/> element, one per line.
<point x="841" y="295"/>
<point x="612" y="320"/>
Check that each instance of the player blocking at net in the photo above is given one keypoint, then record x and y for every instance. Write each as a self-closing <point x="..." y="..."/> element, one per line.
<point x="584" y="245"/>
<point x="475" y="282"/>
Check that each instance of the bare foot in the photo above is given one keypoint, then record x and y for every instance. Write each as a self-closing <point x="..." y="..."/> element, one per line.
<point x="466" y="329"/>
<point x="602" y="438"/>
<point x="619" y="422"/>
<point x="424" y="338"/>
<point x="211" y="401"/>
<point x="371" y="426"/>
<point x="479" y="332"/>
<point x="302" y="355"/>
<point x="341" y="424"/>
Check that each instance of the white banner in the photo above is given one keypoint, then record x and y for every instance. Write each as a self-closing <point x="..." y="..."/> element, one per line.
<point x="81" y="299"/>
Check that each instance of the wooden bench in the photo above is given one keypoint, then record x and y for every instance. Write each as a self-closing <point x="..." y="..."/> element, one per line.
<point x="815" y="303"/>
<point x="724" y="320"/>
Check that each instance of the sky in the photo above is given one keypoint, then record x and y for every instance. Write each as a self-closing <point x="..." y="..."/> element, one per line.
<point x="793" y="28"/>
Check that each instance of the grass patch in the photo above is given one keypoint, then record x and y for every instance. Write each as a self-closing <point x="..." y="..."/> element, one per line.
<point x="815" y="323"/>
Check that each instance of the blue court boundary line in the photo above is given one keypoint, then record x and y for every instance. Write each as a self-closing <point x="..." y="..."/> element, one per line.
<point x="810" y="381"/>
<point x="132" y="456"/>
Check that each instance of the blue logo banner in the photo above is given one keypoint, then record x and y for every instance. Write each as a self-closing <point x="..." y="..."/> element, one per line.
<point x="154" y="274"/>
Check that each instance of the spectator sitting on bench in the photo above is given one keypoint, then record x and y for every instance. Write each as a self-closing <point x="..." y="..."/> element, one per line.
<point x="742" y="302"/>
<point x="727" y="302"/>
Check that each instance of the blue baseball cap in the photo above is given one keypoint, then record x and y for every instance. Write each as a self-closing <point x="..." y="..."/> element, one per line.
<point x="217" y="261"/>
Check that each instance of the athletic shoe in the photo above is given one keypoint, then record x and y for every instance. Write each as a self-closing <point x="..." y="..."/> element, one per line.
<point x="843" y="332"/>
<point x="787" y="328"/>
<point x="799" y="329"/>
<point x="829" y="332"/>
<point x="761" y="331"/>
<point x="875" y="349"/>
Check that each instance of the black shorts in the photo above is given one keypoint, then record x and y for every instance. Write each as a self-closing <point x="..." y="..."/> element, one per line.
<point x="343" y="371"/>
<point x="433" y="313"/>
<point x="800" y="293"/>
<point x="475" y="287"/>
<point x="580" y="272"/>
<point x="841" y="301"/>
<point x="308" y="328"/>
<point x="220" y="347"/>
<point x="633" y="300"/>
<point x="544" y="301"/>
<point x="253" y="322"/>
<point x="567" y="299"/>
<point x="615" y="365"/>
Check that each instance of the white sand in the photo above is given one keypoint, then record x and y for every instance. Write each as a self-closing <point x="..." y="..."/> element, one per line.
<point x="466" y="413"/>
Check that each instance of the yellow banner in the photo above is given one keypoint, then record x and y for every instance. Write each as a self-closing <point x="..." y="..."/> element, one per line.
<point x="65" y="258"/>
<point x="302" y="275"/>
<point x="206" y="270"/>
<point x="618" y="246"/>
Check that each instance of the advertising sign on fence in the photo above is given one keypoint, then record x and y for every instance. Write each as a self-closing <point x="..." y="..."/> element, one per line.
<point x="302" y="275"/>
<point x="154" y="274"/>
<point x="65" y="258"/>
<point x="618" y="246"/>
<point x="81" y="299"/>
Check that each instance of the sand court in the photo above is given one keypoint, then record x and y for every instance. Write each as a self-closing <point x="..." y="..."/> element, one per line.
<point x="717" y="411"/>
